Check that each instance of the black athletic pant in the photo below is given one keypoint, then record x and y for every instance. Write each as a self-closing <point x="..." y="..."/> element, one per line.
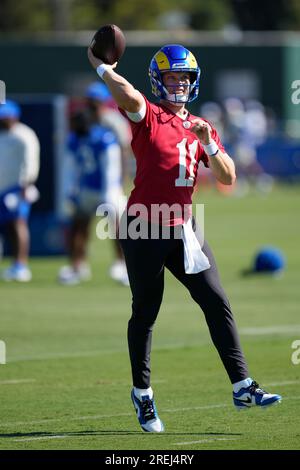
<point x="145" y="261"/>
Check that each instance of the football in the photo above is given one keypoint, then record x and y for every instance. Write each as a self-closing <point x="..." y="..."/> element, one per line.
<point x="108" y="43"/>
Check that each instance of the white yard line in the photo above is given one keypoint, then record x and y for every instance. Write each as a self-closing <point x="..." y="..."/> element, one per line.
<point x="64" y="436"/>
<point x="104" y="416"/>
<point x="16" y="381"/>
<point x="41" y="438"/>
<point x="202" y="441"/>
<point x="100" y="352"/>
<point x="99" y="417"/>
<point x="62" y="355"/>
<point x="270" y="330"/>
<point x="57" y="420"/>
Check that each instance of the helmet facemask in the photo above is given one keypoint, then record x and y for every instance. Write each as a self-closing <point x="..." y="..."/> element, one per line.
<point x="180" y="98"/>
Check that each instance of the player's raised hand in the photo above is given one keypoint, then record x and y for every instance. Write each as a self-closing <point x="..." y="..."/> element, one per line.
<point x="95" y="62"/>
<point x="202" y="130"/>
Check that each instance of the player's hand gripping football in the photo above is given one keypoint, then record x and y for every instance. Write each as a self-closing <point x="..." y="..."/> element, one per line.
<point x="202" y="130"/>
<point x="95" y="62"/>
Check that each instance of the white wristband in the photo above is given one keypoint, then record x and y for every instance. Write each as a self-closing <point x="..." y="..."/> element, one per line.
<point x="101" y="69"/>
<point x="211" y="149"/>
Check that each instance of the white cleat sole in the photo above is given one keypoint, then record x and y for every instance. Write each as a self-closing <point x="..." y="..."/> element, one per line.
<point x="242" y="408"/>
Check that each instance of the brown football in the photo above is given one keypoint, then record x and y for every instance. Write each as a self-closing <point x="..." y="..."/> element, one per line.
<point x="108" y="43"/>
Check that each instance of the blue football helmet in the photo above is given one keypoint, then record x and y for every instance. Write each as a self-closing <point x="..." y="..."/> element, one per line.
<point x="175" y="58"/>
<point x="269" y="259"/>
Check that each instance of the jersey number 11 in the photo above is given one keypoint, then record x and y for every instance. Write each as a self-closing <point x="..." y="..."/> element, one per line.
<point x="184" y="179"/>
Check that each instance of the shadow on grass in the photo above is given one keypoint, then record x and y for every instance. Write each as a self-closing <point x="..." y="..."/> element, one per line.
<point x="106" y="432"/>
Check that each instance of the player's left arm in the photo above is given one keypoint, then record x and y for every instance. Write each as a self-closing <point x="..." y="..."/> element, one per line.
<point x="221" y="165"/>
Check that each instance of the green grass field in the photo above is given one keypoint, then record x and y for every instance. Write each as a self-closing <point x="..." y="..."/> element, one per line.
<point x="66" y="384"/>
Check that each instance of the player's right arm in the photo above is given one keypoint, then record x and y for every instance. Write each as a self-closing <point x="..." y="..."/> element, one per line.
<point x="125" y="95"/>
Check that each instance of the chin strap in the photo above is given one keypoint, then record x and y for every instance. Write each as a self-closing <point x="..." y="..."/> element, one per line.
<point x="177" y="100"/>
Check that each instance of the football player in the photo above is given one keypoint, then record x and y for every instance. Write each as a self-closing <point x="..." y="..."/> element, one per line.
<point x="19" y="168"/>
<point x="100" y="107"/>
<point x="169" y="144"/>
<point x="95" y="179"/>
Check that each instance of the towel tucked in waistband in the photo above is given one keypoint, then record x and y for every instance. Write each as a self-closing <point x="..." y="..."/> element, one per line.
<point x="195" y="260"/>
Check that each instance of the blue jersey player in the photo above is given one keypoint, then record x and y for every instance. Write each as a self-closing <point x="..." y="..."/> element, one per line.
<point x="96" y="178"/>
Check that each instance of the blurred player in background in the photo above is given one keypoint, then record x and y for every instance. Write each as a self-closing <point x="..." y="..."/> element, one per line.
<point x="99" y="104"/>
<point x="214" y="114"/>
<point x="243" y="125"/>
<point x="169" y="144"/>
<point x="19" y="168"/>
<point x="96" y="179"/>
<point x="246" y="129"/>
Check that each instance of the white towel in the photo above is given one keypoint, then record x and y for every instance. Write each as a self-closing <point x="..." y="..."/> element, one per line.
<point x="195" y="260"/>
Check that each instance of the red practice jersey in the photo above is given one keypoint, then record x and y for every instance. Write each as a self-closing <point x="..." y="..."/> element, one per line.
<point x="167" y="155"/>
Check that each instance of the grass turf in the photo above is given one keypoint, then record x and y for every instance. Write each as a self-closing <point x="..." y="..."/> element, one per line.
<point x="66" y="384"/>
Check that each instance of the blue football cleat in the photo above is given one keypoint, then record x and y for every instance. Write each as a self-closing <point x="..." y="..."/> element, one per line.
<point x="250" y="396"/>
<point x="147" y="413"/>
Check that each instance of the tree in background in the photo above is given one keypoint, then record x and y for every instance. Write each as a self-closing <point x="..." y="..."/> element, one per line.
<point x="29" y="15"/>
<point x="36" y="16"/>
<point x="258" y="15"/>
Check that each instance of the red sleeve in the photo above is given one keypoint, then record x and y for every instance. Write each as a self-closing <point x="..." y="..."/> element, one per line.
<point x="147" y="119"/>
<point x="216" y="138"/>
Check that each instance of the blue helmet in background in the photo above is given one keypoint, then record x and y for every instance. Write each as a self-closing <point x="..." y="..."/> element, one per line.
<point x="174" y="58"/>
<point x="10" y="110"/>
<point x="270" y="260"/>
<point x="98" y="91"/>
